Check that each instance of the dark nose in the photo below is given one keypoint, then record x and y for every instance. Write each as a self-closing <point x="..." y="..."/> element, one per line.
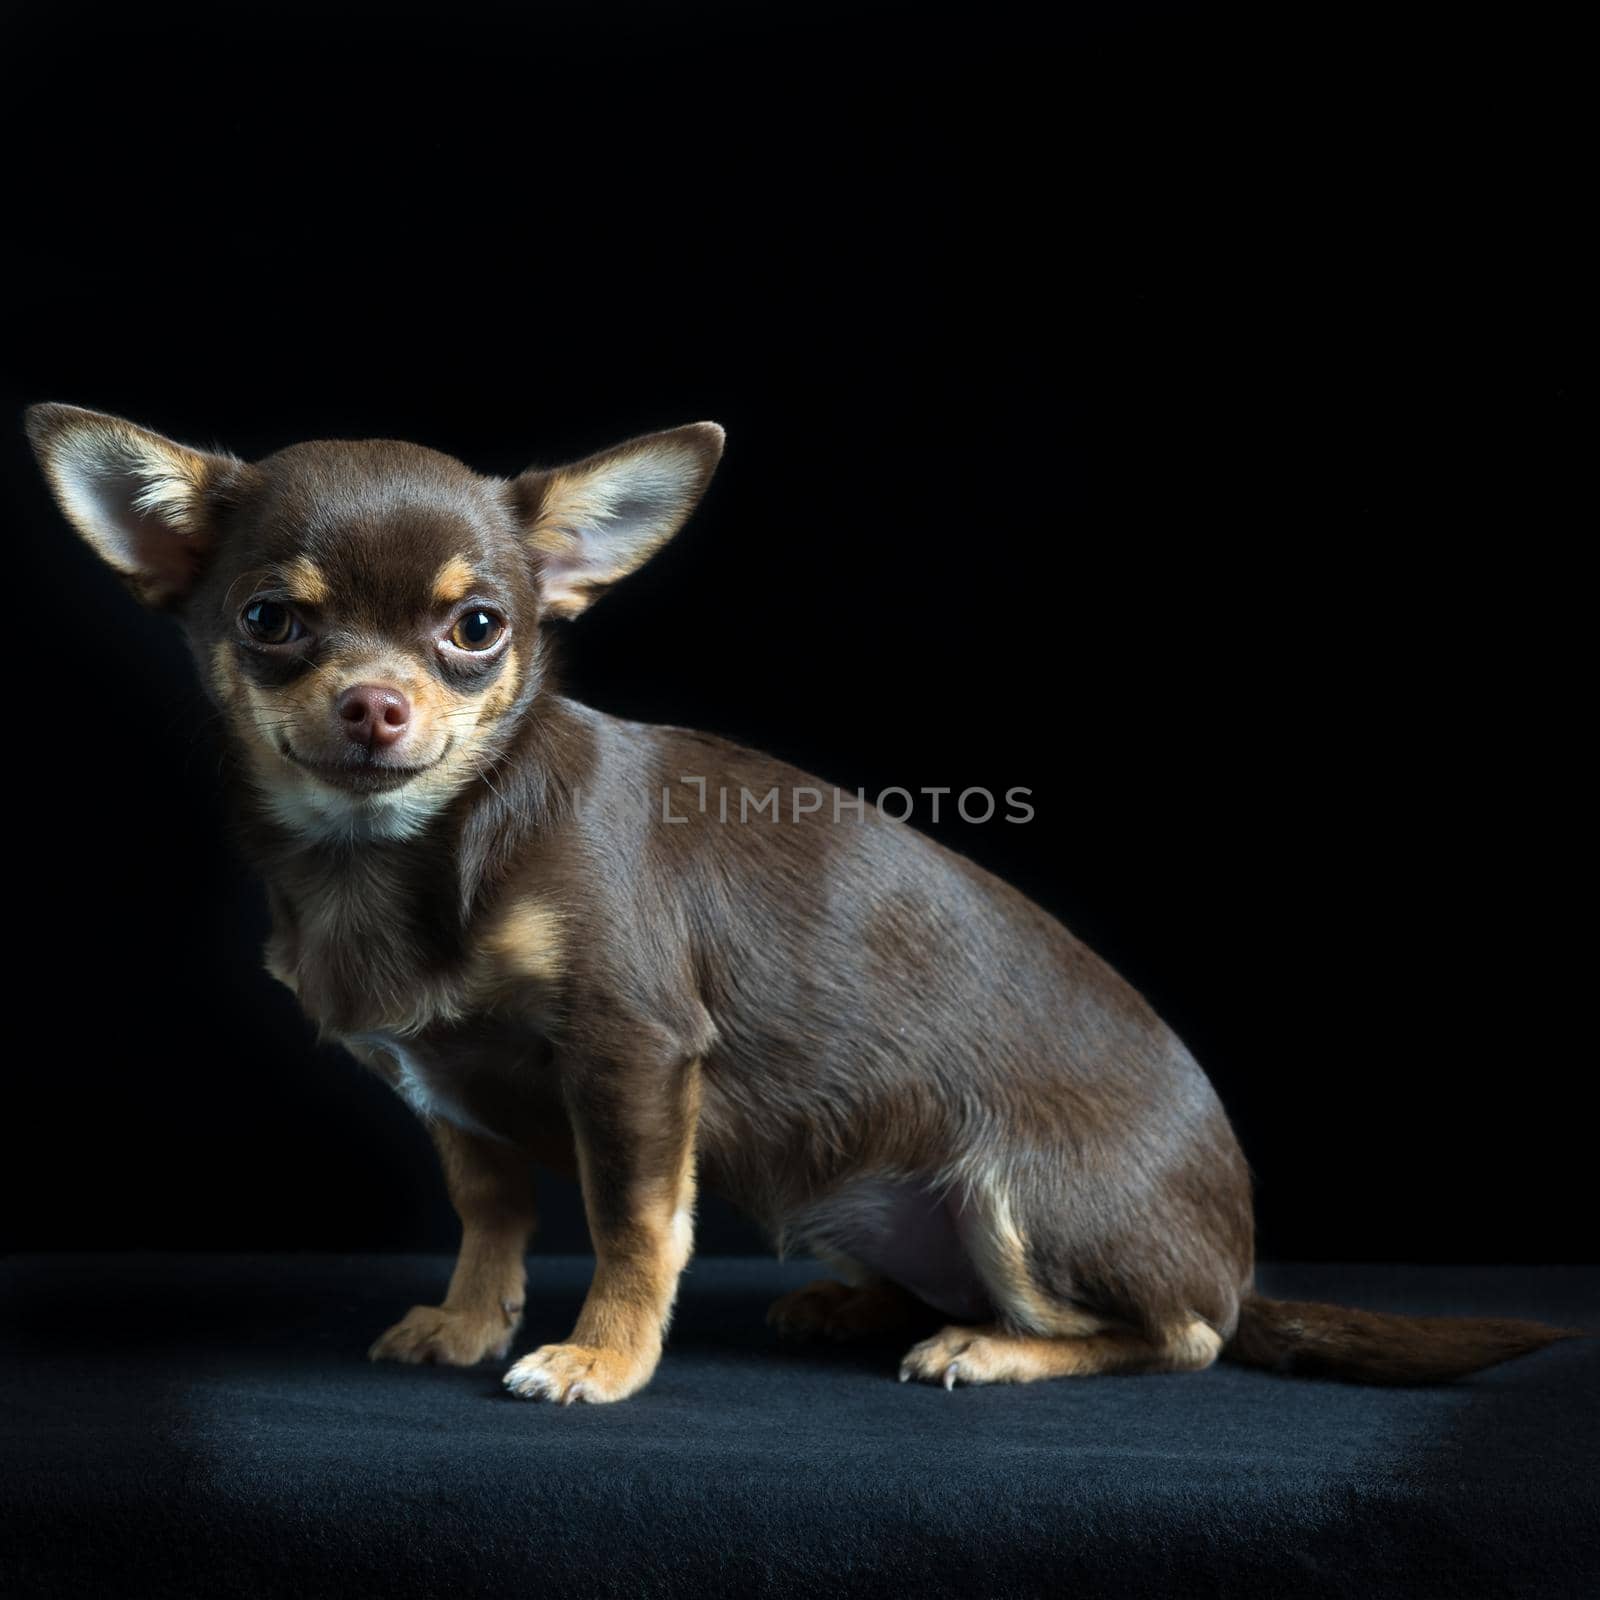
<point x="373" y="714"/>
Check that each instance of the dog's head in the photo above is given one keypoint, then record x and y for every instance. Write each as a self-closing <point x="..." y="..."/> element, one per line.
<point x="367" y="613"/>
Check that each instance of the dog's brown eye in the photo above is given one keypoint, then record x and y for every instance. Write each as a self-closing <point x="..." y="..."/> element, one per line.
<point x="269" y="623"/>
<point x="476" y="629"/>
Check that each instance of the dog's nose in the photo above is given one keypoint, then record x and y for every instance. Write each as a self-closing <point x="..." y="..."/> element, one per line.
<point x="373" y="714"/>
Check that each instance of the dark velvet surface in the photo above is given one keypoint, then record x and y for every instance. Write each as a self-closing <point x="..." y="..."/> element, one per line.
<point x="209" y="1426"/>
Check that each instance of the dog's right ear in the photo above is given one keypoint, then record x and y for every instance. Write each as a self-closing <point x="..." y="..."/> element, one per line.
<point x="145" y="504"/>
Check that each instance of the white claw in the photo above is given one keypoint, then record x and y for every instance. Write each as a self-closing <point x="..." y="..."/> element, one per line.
<point x="950" y="1375"/>
<point x="527" y="1384"/>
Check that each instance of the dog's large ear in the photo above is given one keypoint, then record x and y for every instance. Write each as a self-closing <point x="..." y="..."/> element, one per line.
<point x="144" y="504"/>
<point x="597" y="520"/>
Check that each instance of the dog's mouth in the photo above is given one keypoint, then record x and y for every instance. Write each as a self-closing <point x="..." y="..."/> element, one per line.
<point x="364" y="773"/>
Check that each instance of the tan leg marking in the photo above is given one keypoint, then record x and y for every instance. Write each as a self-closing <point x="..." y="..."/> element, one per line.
<point x="491" y="1187"/>
<point x="616" y="1345"/>
<point x="999" y="1252"/>
<point x="831" y="1310"/>
<point x="992" y="1354"/>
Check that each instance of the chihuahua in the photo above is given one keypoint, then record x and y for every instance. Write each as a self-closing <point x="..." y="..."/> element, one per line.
<point x="497" y="900"/>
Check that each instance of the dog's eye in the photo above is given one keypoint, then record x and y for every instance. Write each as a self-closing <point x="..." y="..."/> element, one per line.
<point x="476" y="629"/>
<point x="269" y="623"/>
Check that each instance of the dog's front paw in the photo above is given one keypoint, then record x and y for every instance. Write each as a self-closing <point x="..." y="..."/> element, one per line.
<point x="569" y="1372"/>
<point x="436" y="1334"/>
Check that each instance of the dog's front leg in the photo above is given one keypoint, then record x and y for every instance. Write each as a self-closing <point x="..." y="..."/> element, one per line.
<point x="491" y="1188"/>
<point x="634" y="1132"/>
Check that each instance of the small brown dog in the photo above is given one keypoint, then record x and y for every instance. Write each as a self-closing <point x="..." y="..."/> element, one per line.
<point x="501" y="901"/>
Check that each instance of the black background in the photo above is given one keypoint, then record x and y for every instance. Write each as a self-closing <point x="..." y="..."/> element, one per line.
<point x="1170" y="413"/>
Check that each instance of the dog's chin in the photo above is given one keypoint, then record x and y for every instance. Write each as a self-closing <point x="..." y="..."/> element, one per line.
<point x="344" y="802"/>
<point x="362" y="773"/>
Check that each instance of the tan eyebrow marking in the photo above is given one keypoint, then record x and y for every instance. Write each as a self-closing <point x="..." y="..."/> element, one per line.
<point x="453" y="580"/>
<point x="304" y="580"/>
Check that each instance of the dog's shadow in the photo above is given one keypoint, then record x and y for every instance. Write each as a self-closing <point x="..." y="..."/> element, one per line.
<point x="722" y="1324"/>
<point x="726" y="1324"/>
<point x="307" y="1314"/>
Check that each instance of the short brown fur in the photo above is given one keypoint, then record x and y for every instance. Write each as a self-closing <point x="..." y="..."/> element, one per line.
<point x="853" y="1033"/>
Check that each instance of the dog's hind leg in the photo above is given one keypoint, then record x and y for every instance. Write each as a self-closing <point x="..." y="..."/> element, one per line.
<point x="1147" y="1324"/>
<point x="993" y="1354"/>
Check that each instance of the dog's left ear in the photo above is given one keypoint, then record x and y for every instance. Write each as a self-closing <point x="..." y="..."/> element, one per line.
<point x="143" y="503"/>
<point x="596" y="521"/>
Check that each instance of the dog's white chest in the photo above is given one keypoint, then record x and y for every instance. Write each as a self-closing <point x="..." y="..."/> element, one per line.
<point x="428" y="1080"/>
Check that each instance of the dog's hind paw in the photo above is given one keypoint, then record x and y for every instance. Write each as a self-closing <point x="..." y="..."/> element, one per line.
<point x="962" y="1355"/>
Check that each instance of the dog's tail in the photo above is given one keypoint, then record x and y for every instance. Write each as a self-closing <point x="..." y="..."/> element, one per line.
<point x="1312" y="1340"/>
